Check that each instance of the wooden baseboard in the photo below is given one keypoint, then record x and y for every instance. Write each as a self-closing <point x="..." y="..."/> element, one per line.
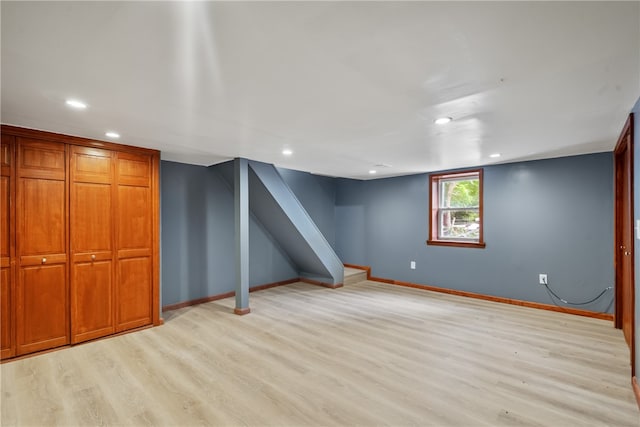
<point x="361" y="267"/>
<point x="549" y="307"/>
<point x="636" y="389"/>
<point x="197" y="301"/>
<point x="242" y="311"/>
<point x="226" y="295"/>
<point x="381" y="279"/>
<point x="273" y="285"/>
<point x="318" y="283"/>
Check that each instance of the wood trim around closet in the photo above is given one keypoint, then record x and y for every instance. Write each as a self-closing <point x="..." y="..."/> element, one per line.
<point x="73" y="140"/>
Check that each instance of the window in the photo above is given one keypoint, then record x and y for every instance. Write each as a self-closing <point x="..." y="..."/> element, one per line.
<point x="456" y="209"/>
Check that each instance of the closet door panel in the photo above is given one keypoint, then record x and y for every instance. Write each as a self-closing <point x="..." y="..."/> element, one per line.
<point x="91" y="228"/>
<point x="6" y="342"/>
<point x="134" y="291"/>
<point x="134" y="169"/>
<point x="42" y="308"/>
<point x="91" y="300"/>
<point x="40" y="159"/>
<point x="7" y="251"/>
<point x="92" y="293"/>
<point x="43" y="217"/>
<point x="134" y="258"/>
<point x="5" y="218"/>
<point x="6" y="323"/>
<point x="134" y="218"/>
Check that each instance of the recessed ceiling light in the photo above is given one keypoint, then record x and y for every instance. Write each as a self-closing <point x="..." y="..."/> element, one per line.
<point x="287" y="152"/>
<point x="74" y="103"/>
<point x="372" y="172"/>
<point x="442" y="120"/>
<point x="112" y="134"/>
<point x="494" y="155"/>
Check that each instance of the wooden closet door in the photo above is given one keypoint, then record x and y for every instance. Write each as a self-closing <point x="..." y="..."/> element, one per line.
<point x="134" y="230"/>
<point x="42" y="308"/>
<point x="91" y="233"/>
<point x="7" y="247"/>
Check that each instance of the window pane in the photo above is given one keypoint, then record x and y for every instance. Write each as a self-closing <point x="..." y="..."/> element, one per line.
<point x="459" y="224"/>
<point x="460" y="193"/>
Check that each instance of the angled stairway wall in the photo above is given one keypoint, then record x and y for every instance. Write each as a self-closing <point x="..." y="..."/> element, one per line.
<point x="278" y="209"/>
<point x="279" y="212"/>
<point x="198" y="236"/>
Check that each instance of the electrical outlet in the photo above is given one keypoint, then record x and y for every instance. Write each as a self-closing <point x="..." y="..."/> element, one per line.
<point x="413" y="265"/>
<point x="542" y="278"/>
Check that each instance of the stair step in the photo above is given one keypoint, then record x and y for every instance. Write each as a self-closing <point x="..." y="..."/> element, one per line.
<point x="354" y="275"/>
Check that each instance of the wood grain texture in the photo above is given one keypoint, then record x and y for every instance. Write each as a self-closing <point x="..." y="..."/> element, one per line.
<point x="42" y="285"/>
<point x="319" y="283"/>
<point x="68" y="139"/>
<point x="360" y="267"/>
<point x="7" y="247"/>
<point x="568" y="310"/>
<point x="197" y="301"/>
<point x="353" y="275"/>
<point x="6" y="329"/>
<point x="624" y="236"/>
<point x="92" y="243"/>
<point x="135" y="227"/>
<point x="365" y="354"/>
<point x="65" y="183"/>
<point x="225" y="295"/>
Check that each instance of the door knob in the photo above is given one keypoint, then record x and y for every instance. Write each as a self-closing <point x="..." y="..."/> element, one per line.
<point x="93" y="257"/>
<point x="44" y="260"/>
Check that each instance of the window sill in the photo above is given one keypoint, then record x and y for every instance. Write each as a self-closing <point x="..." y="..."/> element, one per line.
<point x="479" y="245"/>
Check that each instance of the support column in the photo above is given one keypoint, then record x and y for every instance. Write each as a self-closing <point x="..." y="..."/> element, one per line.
<point x="241" y="203"/>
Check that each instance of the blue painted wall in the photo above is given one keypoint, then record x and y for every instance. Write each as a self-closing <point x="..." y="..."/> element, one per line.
<point x="317" y="194"/>
<point x="198" y="241"/>
<point x="272" y="201"/>
<point x="550" y="216"/>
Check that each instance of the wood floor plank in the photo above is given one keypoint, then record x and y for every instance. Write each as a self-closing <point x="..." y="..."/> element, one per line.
<point x="365" y="354"/>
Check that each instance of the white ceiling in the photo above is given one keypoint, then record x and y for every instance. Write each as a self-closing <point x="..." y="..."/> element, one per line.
<point x="344" y="85"/>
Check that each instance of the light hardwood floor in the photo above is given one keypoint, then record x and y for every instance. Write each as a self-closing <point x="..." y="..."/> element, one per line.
<point x="365" y="354"/>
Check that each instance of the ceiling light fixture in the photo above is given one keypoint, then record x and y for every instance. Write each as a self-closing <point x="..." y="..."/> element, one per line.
<point x="287" y="152"/>
<point x="442" y="120"/>
<point x="74" y="103"/>
<point x="494" y="155"/>
<point x="372" y="172"/>
<point x="112" y="134"/>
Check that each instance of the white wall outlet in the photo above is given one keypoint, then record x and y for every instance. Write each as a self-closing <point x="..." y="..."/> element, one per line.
<point x="413" y="265"/>
<point x="542" y="278"/>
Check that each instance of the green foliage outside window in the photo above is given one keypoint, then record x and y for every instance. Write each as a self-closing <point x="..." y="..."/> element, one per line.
<point x="459" y="203"/>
